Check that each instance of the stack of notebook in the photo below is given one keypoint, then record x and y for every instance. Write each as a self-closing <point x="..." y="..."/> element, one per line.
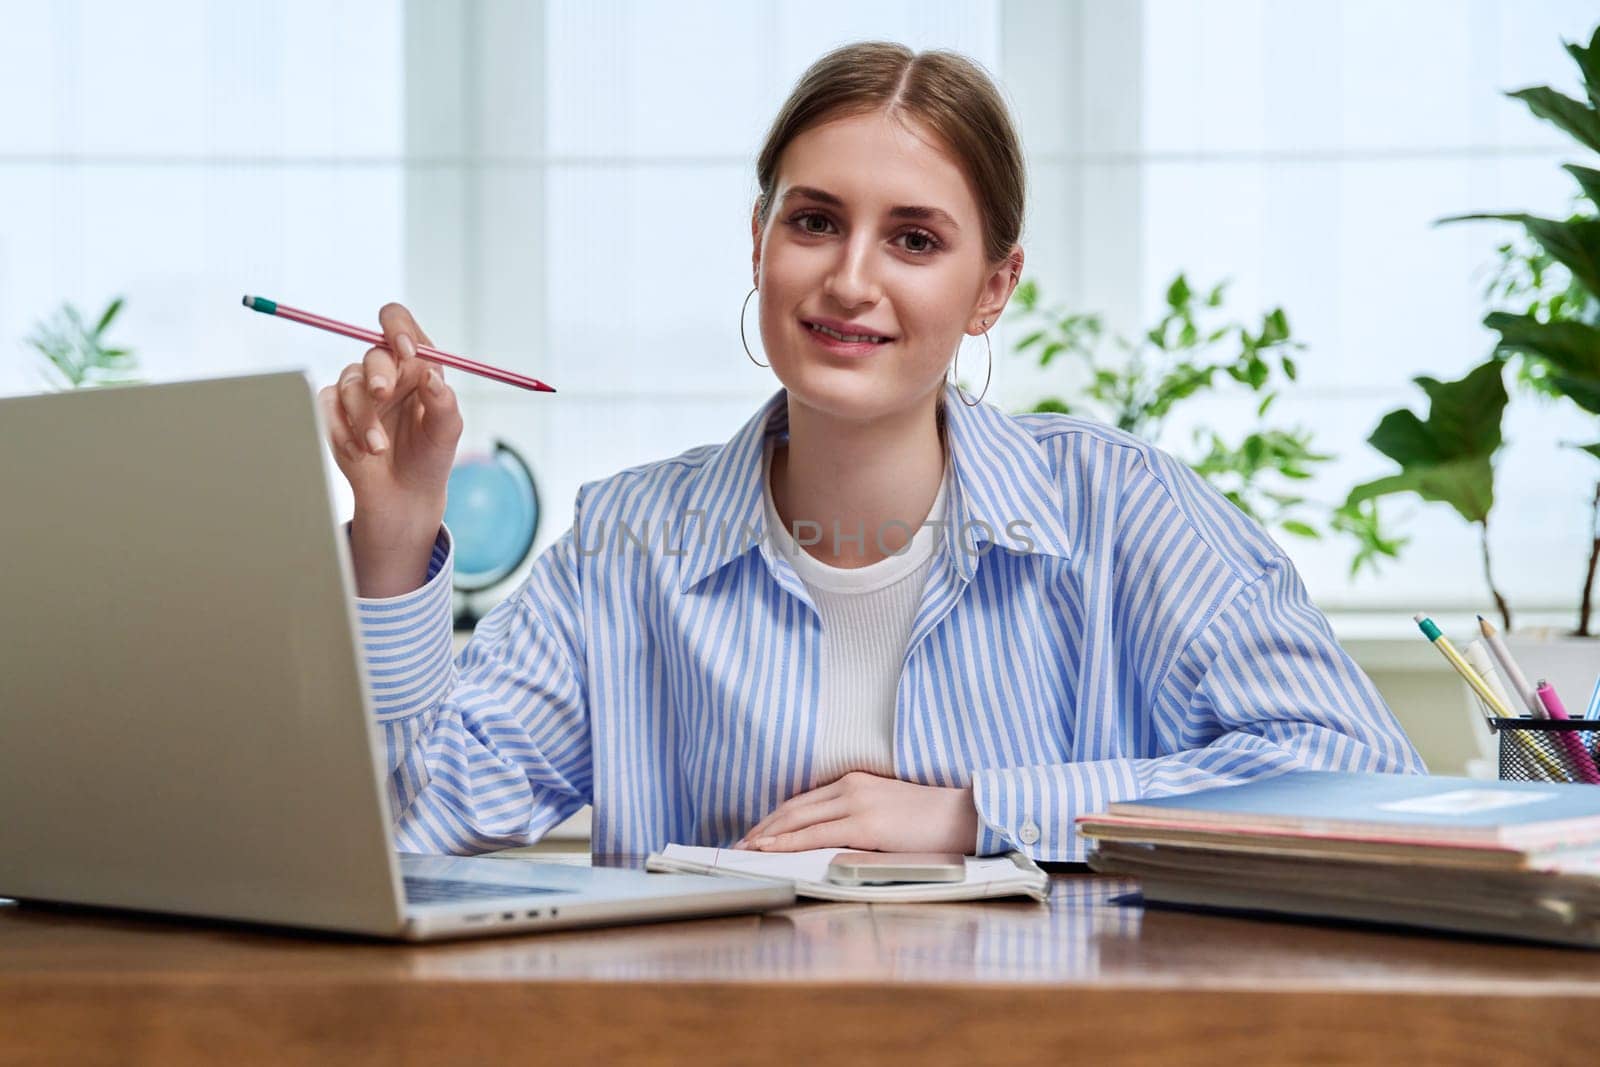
<point x="1509" y="859"/>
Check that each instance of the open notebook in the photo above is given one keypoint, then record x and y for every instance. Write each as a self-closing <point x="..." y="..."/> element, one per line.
<point x="1011" y="875"/>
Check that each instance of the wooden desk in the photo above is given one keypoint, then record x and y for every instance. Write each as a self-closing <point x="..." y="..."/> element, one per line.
<point x="1079" y="980"/>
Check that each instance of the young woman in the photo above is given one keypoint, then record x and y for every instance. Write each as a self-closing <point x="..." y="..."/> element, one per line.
<point x="882" y="616"/>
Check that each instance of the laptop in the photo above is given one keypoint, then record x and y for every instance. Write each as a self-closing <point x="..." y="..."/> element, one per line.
<point x="185" y="720"/>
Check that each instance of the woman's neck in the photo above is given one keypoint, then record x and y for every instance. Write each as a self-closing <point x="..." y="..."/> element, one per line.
<point x="858" y="491"/>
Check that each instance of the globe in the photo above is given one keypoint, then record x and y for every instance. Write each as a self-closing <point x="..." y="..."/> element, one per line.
<point x="492" y="509"/>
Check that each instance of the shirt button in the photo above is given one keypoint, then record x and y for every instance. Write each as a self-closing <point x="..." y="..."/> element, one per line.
<point x="1029" y="832"/>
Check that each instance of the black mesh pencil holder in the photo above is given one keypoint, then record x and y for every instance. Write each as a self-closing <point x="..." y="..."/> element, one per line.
<point x="1548" y="750"/>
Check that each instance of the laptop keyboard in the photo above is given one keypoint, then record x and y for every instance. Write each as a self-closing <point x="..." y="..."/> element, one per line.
<point x="446" y="890"/>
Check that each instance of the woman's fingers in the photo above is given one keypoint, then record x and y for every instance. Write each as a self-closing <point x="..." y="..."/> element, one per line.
<point x="340" y="438"/>
<point x="798" y="802"/>
<point x="360" y="411"/>
<point x="382" y="372"/>
<point x="438" y="416"/>
<point x="837" y="833"/>
<point x="400" y="331"/>
<point x="799" y="818"/>
<point x="401" y="335"/>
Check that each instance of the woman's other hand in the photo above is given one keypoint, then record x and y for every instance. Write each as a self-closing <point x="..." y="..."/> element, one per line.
<point x="870" y="813"/>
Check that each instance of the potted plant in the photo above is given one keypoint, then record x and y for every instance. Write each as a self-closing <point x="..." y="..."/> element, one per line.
<point x="76" y="354"/>
<point x="1189" y="352"/>
<point x="1545" y="295"/>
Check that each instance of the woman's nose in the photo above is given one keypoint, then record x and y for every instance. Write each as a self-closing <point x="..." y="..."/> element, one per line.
<point x="852" y="280"/>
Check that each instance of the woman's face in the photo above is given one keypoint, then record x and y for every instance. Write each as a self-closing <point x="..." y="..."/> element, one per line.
<point x="874" y="233"/>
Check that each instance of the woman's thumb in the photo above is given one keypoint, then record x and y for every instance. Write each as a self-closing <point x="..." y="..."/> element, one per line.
<point x="441" y="418"/>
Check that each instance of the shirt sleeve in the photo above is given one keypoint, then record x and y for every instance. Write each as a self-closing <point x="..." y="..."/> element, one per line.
<point x="491" y="749"/>
<point x="1263" y="689"/>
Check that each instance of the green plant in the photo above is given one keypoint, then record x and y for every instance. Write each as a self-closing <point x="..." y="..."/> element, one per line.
<point x="1448" y="457"/>
<point x="76" y="353"/>
<point x="1185" y="354"/>
<point x="1545" y="292"/>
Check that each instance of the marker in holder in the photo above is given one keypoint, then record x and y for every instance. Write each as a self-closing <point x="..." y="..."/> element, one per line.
<point x="1545" y="750"/>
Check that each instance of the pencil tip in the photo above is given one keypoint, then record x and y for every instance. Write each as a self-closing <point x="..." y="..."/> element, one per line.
<point x="245" y="301"/>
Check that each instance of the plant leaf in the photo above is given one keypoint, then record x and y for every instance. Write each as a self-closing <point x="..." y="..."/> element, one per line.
<point x="1587" y="177"/>
<point x="1571" y="348"/>
<point x="1467" y="485"/>
<point x="1029" y="341"/>
<point x="1447" y="458"/>
<point x="1558" y="109"/>
<point x="1588" y="58"/>
<point x="1178" y="293"/>
<point x="110" y="313"/>
<point x="1575" y="242"/>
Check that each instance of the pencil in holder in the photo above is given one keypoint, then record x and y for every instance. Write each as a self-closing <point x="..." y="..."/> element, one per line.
<point x="1547" y="750"/>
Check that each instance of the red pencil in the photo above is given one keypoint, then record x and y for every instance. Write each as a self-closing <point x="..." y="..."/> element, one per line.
<point x="471" y="366"/>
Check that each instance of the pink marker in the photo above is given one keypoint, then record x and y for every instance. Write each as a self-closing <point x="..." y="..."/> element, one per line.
<point x="1574" y="746"/>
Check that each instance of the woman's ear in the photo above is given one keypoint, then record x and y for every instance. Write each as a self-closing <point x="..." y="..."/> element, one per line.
<point x="755" y="246"/>
<point x="997" y="289"/>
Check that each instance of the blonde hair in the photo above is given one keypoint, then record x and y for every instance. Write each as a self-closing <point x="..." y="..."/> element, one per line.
<point x="945" y="91"/>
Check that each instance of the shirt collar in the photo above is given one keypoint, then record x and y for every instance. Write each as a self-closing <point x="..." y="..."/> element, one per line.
<point x="1004" y="493"/>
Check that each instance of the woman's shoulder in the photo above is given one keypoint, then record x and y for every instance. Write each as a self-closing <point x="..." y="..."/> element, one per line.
<point x="650" y="485"/>
<point x="1091" y="456"/>
<point x="1104" y="467"/>
<point x="1053" y="427"/>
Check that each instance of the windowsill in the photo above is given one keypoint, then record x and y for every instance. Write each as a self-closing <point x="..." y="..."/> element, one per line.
<point x="1390" y="641"/>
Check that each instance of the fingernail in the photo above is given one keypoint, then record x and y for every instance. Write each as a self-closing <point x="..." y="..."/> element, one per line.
<point x="763" y="842"/>
<point x="378" y="383"/>
<point x="408" y="347"/>
<point x="435" y="384"/>
<point x="376" y="439"/>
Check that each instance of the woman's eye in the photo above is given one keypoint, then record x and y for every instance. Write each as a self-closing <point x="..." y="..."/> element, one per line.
<point x="917" y="242"/>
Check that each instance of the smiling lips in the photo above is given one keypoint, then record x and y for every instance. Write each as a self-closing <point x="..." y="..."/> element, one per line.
<point x="845" y="342"/>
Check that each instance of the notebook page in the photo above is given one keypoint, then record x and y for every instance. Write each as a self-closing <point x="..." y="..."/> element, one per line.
<point x="812" y="866"/>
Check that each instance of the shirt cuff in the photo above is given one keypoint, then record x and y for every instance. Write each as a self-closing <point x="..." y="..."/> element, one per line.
<point x="407" y="639"/>
<point x="1033" y="810"/>
<point x="443" y="556"/>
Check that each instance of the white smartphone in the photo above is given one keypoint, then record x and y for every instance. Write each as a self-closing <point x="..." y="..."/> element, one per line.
<point x="883" y="868"/>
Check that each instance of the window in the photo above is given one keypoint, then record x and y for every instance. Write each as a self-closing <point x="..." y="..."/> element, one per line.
<point x="564" y="188"/>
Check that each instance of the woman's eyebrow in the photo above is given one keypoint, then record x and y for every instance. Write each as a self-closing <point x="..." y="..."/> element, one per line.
<point x="916" y="213"/>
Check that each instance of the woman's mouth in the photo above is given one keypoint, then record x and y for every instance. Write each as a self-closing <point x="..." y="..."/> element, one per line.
<point x="845" y="342"/>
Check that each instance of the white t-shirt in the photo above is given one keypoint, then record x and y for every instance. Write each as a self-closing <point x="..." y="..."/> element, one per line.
<point x="866" y="615"/>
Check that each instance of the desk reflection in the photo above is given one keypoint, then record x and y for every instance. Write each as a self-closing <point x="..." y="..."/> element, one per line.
<point x="991" y="941"/>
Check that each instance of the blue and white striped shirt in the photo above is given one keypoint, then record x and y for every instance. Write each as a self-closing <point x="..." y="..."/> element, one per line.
<point x="1099" y="625"/>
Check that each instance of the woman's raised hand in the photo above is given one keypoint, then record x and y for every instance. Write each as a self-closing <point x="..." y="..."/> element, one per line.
<point x="393" y="425"/>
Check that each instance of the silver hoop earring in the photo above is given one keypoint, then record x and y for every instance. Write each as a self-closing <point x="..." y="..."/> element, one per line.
<point x="987" y="375"/>
<point x="745" y="306"/>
